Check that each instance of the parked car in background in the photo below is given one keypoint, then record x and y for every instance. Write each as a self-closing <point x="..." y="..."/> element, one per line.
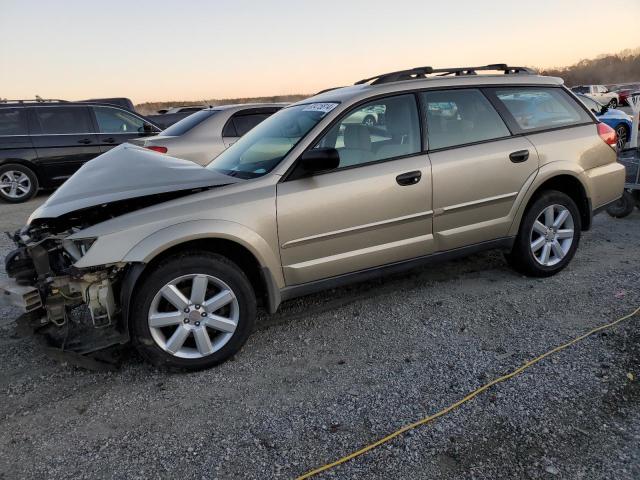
<point x="616" y="119"/>
<point x="42" y="143"/>
<point x="182" y="109"/>
<point x="175" y="257"/>
<point x="599" y="93"/>
<point x="624" y="91"/>
<point x="370" y="116"/>
<point x="203" y="135"/>
<point x="123" y="102"/>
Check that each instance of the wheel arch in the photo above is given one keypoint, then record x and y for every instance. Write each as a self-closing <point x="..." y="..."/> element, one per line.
<point x="262" y="272"/>
<point x="567" y="182"/>
<point x="25" y="163"/>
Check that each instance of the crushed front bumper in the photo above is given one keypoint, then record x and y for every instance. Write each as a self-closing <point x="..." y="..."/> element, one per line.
<point x="25" y="298"/>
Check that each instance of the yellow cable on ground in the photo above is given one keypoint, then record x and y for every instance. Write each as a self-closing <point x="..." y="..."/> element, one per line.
<point x="455" y="405"/>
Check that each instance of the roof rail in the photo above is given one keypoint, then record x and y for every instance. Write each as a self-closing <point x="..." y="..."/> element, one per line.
<point x="33" y="100"/>
<point x="327" y="90"/>
<point x="422" y="72"/>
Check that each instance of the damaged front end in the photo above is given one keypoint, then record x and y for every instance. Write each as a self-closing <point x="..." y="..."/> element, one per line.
<point x="80" y="306"/>
<point x="73" y="309"/>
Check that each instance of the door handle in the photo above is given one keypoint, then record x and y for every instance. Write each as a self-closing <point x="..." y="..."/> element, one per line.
<point x="85" y="141"/>
<point x="109" y="140"/>
<point x="409" y="178"/>
<point x="519" y="156"/>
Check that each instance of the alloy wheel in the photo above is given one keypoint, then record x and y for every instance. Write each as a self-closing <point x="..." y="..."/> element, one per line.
<point x="15" y="184"/>
<point x="552" y="235"/>
<point x="621" y="132"/>
<point x="193" y="316"/>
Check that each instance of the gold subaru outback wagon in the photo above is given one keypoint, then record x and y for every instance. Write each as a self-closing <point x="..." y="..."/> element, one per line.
<point x="175" y="257"/>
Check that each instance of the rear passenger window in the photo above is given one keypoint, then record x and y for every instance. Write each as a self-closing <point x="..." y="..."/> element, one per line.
<point x="243" y="123"/>
<point x="540" y="108"/>
<point x="13" y="121"/>
<point x="58" y="120"/>
<point x="380" y="130"/>
<point x="460" y="117"/>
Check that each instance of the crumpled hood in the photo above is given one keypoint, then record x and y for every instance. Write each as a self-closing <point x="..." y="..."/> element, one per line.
<point x="127" y="172"/>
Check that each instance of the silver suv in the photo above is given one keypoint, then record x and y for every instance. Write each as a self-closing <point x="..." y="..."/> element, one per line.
<point x="176" y="257"/>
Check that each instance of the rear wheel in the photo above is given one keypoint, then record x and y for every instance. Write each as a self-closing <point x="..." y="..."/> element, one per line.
<point x="193" y="311"/>
<point x="548" y="237"/>
<point x="17" y="183"/>
<point x="623" y="207"/>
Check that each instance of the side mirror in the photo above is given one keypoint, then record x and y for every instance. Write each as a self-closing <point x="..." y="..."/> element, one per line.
<point x="320" y="160"/>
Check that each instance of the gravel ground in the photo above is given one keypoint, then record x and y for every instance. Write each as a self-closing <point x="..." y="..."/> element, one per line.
<point x="332" y="372"/>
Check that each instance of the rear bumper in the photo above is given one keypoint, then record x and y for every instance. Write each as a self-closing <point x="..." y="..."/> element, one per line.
<point x="26" y="299"/>
<point x="606" y="184"/>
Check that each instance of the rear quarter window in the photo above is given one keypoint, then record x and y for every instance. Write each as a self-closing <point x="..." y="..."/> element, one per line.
<point x="188" y="123"/>
<point x="13" y="121"/>
<point x="532" y="108"/>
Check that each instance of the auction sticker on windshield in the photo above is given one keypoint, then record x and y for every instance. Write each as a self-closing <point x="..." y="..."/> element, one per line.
<point x="320" y="107"/>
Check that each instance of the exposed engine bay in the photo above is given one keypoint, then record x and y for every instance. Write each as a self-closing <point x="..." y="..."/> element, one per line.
<point x="57" y="294"/>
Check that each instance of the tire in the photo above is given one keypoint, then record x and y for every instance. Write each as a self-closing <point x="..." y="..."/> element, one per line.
<point x="622" y="134"/>
<point x="369" y="121"/>
<point x="613" y="103"/>
<point x="636" y="196"/>
<point x="623" y="207"/>
<point x="167" y="336"/>
<point x="17" y="183"/>
<point x="559" y="242"/>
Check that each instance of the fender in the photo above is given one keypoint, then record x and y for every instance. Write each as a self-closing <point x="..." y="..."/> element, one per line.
<point x="547" y="172"/>
<point x="161" y="240"/>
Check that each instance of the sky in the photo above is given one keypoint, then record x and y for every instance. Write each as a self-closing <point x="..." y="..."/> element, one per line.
<point x="191" y="50"/>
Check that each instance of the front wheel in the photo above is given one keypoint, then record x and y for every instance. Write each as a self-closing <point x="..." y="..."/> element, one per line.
<point x="193" y="311"/>
<point x="613" y="103"/>
<point x="548" y="237"/>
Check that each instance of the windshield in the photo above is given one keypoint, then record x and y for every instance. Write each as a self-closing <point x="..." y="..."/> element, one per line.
<point x="260" y="150"/>
<point x="186" y="124"/>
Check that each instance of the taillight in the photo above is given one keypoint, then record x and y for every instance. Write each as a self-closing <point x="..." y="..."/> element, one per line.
<point x="157" y="148"/>
<point x="608" y="135"/>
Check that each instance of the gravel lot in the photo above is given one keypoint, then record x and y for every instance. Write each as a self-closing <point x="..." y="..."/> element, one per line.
<point x="331" y="372"/>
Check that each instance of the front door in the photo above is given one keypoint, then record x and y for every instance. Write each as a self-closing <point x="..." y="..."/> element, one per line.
<point x="116" y="126"/>
<point x="374" y="209"/>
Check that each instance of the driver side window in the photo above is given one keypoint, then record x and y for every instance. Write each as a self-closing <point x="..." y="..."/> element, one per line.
<point x="112" y="120"/>
<point x="380" y="130"/>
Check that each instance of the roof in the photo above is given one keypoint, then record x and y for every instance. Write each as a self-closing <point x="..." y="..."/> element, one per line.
<point x="240" y="106"/>
<point x="365" y="90"/>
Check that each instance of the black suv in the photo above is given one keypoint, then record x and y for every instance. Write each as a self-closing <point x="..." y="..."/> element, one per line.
<point x="42" y="143"/>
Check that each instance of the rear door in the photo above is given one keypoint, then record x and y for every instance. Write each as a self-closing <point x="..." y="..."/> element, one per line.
<point x="479" y="169"/>
<point x="116" y="126"/>
<point x="374" y="209"/>
<point x="64" y="139"/>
